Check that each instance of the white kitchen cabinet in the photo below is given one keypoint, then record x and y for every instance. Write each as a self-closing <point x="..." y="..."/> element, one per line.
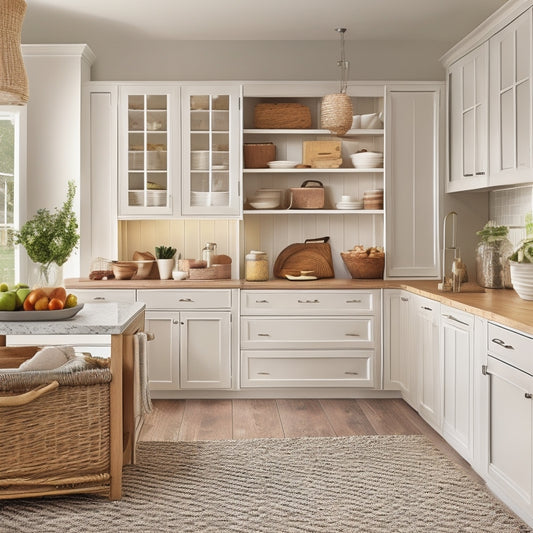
<point x="413" y="147"/>
<point x="148" y="155"/>
<point x="426" y="348"/>
<point x="457" y="358"/>
<point x="211" y="147"/>
<point x="301" y="338"/>
<point x="511" y="110"/>
<point x="509" y="429"/>
<point x="399" y="363"/>
<point x="468" y="121"/>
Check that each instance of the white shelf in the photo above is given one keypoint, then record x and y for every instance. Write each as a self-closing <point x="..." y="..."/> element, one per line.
<point x="313" y="211"/>
<point x="312" y="170"/>
<point x="350" y="133"/>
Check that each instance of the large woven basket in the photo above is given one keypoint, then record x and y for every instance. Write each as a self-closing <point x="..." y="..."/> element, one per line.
<point x="61" y="436"/>
<point x="282" y="116"/>
<point x="336" y="113"/>
<point x="364" y="267"/>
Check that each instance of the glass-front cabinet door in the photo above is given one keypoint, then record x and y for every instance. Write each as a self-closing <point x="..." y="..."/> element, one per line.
<point x="210" y="150"/>
<point x="148" y="150"/>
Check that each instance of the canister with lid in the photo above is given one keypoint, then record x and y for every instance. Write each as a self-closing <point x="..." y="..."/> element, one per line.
<point x="256" y="266"/>
<point x="208" y="252"/>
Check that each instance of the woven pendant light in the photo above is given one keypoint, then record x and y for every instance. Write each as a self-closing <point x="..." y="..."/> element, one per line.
<point x="336" y="113"/>
<point x="13" y="79"/>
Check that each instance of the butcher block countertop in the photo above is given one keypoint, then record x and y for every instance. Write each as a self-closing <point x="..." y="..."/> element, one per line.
<point x="499" y="305"/>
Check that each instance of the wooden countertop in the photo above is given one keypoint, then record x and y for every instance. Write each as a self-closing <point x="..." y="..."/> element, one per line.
<point x="499" y="305"/>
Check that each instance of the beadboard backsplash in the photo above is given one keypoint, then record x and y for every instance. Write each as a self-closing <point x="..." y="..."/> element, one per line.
<point x="508" y="207"/>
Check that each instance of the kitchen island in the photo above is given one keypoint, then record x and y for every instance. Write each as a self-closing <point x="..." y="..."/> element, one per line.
<point x="121" y="321"/>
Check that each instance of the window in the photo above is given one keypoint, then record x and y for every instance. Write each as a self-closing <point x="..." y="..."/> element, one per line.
<point x="12" y="181"/>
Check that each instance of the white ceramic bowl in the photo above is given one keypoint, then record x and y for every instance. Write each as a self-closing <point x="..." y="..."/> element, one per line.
<point x="179" y="275"/>
<point x="264" y="203"/>
<point x="367" y="159"/>
<point x="282" y="164"/>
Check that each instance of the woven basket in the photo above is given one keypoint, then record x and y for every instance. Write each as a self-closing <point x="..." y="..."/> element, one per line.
<point x="13" y="79"/>
<point x="61" y="437"/>
<point x="212" y="272"/>
<point x="282" y="116"/>
<point x="257" y="155"/>
<point x="361" y="267"/>
<point x="336" y="114"/>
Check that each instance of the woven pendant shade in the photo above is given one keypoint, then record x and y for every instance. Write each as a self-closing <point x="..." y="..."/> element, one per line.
<point x="13" y="79"/>
<point x="336" y="113"/>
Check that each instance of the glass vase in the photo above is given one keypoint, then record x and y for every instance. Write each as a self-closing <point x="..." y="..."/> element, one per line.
<point x="492" y="264"/>
<point x="46" y="275"/>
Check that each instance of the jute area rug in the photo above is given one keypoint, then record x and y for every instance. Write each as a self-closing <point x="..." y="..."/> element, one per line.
<point x="390" y="483"/>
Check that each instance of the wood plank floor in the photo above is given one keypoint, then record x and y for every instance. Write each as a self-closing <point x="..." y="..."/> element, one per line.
<point x="191" y="420"/>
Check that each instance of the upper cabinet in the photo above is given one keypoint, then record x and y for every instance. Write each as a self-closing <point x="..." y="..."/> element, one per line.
<point x="178" y="151"/>
<point x="510" y="103"/>
<point x="211" y="150"/>
<point x="468" y="121"/>
<point x="490" y="107"/>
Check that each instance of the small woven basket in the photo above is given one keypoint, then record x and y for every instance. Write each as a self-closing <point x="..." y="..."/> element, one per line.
<point x="257" y="155"/>
<point x="364" y="267"/>
<point x="336" y="114"/>
<point x="282" y="116"/>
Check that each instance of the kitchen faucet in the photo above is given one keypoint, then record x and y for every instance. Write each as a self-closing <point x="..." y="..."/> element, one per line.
<point x="445" y="284"/>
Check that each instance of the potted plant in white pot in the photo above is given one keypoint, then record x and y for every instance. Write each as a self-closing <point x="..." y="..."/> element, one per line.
<point x="164" y="256"/>
<point x="521" y="262"/>
<point x="49" y="239"/>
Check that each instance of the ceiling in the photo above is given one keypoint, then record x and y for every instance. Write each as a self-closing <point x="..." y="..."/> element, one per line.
<point x="189" y="20"/>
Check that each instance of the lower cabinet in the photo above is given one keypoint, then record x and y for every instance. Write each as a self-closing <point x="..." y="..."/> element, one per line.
<point x="427" y="354"/>
<point x="310" y="338"/>
<point x="457" y="358"/>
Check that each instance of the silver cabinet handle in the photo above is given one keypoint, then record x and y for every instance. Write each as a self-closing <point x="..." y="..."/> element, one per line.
<point x="426" y="308"/>
<point x="263" y="334"/>
<point x="352" y="373"/>
<point x="175" y="321"/>
<point x="451" y="317"/>
<point x="404" y="299"/>
<point x="185" y="300"/>
<point x="480" y="173"/>
<point x="353" y="301"/>
<point x="308" y="301"/>
<point x="261" y="301"/>
<point x="98" y="298"/>
<point x="263" y="373"/>
<point x="528" y="395"/>
<point x="352" y="335"/>
<point x="499" y="342"/>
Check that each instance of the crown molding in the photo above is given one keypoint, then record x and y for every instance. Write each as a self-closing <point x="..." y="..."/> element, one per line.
<point x="83" y="51"/>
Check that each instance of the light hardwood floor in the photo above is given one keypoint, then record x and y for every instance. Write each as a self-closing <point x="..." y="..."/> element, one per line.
<point x="191" y="420"/>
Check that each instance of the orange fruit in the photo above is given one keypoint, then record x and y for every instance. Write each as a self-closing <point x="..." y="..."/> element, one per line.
<point x="55" y="304"/>
<point x="27" y="306"/>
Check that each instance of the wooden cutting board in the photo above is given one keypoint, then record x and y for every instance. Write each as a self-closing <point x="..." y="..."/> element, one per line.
<point x="318" y="150"/>
<point x="311" y="256"/>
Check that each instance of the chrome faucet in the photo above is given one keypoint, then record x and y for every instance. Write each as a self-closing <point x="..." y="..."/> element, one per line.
<point x="445" y="284"/>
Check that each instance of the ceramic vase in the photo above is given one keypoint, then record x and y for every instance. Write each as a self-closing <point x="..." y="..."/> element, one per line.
<point x="165" y="267"/>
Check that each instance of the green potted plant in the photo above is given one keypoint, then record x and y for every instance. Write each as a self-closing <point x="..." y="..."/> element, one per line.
<point x="49" y="239"/>
<point x="521" y="262"/>
<point x="164" y="256"/>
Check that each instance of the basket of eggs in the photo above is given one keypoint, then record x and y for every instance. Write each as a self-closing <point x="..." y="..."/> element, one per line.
<point x="365" y="263"/>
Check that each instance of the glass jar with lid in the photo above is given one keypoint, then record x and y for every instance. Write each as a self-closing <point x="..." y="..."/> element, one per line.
<point x="256" y="266"/>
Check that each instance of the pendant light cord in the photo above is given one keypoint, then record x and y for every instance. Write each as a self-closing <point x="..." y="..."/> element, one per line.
<point x="342" y="63"/>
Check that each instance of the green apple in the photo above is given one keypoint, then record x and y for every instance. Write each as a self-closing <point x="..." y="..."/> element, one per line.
<point x="4" y="287"/>
<point x="8" y="301"/>
<point x="20" y="286"/>
<point x="21" y="296"/>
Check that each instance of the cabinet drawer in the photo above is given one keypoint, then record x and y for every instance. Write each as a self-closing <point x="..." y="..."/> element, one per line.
<point x="315" y="368"/>
<point x="185" y="299"/>
<point x="106" y="295"/>
<point x="305" y="332"/>
<point x="511" y="347"/>
<point x="308" y="302"/>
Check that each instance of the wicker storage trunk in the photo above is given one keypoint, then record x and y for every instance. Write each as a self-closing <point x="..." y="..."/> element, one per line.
<point x="282" y="116"/>
<point x="60" y="437"/>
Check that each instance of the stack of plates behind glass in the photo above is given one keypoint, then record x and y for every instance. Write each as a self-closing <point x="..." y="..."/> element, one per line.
<point x="356" y="204"/>
<point x="210" y="198"/>
<point x="154" y="198"/>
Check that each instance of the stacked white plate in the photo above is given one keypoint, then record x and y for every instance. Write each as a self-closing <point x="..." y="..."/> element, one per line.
<point x="356" y="204"/>
<point x="154" y="198"/>
<point x="209" y="198"/>
<point x="282" y="164"/>
<point x="367" y="159"/>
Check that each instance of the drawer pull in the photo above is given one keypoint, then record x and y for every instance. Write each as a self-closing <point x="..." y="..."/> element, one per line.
<point x="185" y="300"/>
<point x="499" y="342"/>
<point x="426" y="308"/>
<point x="353" y="301"/>
<point x="263" y="373"/>
<point x="352" y="335"/>
<point x="98" y="298"/>
<point x="404" y="299"/>
<point x="263" y="334"/>
<point x="352" y="373"/>
<point x="528" y="395"/>
<point x="451" y="317"/>
<point x="467" y="175"/>
<point x="261" y="301"/>
<point x="480" y="173"/>
<point x="308" y="301"/>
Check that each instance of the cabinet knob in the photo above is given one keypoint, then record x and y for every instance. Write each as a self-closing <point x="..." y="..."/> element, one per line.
<point x="528" y="395"/>
<point x="499" y="342"/>
<point x="175" y="321"/>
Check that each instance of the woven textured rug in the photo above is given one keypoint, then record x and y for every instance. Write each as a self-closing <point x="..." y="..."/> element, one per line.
<point x="391" y="483"/>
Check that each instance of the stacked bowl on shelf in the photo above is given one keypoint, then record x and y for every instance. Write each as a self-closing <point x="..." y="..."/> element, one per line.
<point x="366" y="159"/>
<point x="373" y="199"/>
<point x="349" y="202"/>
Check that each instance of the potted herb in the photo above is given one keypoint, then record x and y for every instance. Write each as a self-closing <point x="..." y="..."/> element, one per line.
<point x="164" y="256"/>
<point x="522" y="263"/>
<point x="49" y="239"/>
